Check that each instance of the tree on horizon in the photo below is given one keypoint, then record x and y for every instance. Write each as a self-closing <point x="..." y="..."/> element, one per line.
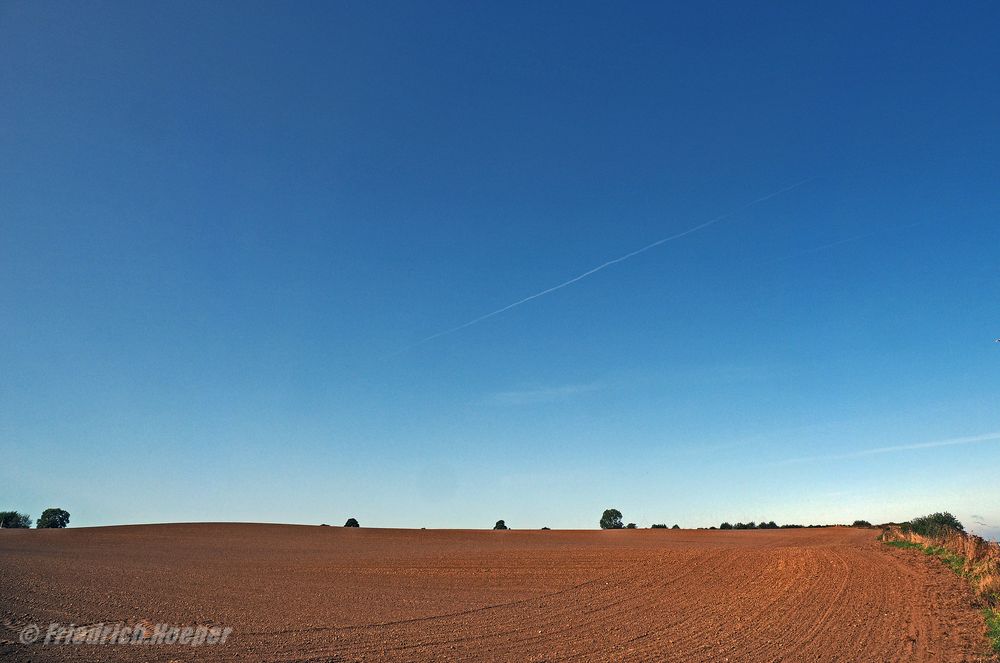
<point x="53" y="519"/>
<point x="611" y="519"/>
<point x="14" y="520"/>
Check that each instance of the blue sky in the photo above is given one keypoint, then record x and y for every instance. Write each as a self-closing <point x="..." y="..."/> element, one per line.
<point x="225" y="231"/>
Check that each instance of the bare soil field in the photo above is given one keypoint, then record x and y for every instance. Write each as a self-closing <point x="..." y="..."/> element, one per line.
<point x="299" y="593"/>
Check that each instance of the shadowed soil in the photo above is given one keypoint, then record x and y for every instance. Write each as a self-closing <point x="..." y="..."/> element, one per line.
<point x="299" y="593"/>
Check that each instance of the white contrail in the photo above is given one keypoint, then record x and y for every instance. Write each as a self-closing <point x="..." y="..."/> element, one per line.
<point x="604" y="265"/>
<point x="972" y="439"/>
<point x="846" y="240"/>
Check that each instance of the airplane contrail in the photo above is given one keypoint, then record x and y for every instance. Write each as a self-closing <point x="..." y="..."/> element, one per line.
<point x="604" y="265"/>
<point x="846" y="240"/>
<point x="971" y="439"/>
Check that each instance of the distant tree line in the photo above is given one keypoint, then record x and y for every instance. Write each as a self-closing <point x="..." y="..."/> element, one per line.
<point x="50" y="519"/>
<point x="752" y="525"/>
<point x="773" y="525"/>
<point x="930" y="525"/>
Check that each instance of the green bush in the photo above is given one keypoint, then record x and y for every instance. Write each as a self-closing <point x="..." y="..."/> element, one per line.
<point x="992" y="616"/>
<point x="500" y="525"/>
<point x="352" y="522"/>
<point x="658" y="527"/>
<point x="861" y="523"/>
<point x="725" y="526"/>
<point x="53" y="519"/>
<point x="630" y="526"/>
<point x="676" y="526"/>
<point x="14" y="520"/>
<point x="936" y="524"/>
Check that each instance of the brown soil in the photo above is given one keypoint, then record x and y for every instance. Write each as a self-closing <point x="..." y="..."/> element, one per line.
<point x="296" y="593"/>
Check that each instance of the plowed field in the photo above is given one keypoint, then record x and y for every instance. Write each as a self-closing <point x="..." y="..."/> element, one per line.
<point x="297" y="593"/>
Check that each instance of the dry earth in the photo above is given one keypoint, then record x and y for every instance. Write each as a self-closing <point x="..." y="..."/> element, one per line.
<point x="297" y="593"/>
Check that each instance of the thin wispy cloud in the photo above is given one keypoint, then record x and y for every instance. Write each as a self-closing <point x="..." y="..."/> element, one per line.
<point x="543" y="395"/>
<point x="955" y="441"/>
<point x="604" y="265"/>
<point x="729" y="373"/>
<point x="840" y="242"/>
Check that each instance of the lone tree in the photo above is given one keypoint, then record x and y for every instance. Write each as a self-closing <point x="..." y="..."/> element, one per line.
<point x="500" y="525"/>
<point x="676" y="526"/>
<point x="14" y="520"/>
<point x="53" y="519"/>
<point x="352" y="522"/>
<point x="612" y="519"/>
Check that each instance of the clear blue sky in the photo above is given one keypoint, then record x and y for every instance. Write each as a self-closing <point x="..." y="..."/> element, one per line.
<point x="223" y="229"/>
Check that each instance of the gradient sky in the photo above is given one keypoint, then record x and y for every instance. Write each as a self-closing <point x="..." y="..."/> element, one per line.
<point x="225" y="230"/>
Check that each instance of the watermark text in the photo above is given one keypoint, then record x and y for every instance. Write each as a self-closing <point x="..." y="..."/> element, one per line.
<point x="120" y="633"/>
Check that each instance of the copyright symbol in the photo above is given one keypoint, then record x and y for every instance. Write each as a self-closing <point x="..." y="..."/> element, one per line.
<point x="29" y="634"/>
